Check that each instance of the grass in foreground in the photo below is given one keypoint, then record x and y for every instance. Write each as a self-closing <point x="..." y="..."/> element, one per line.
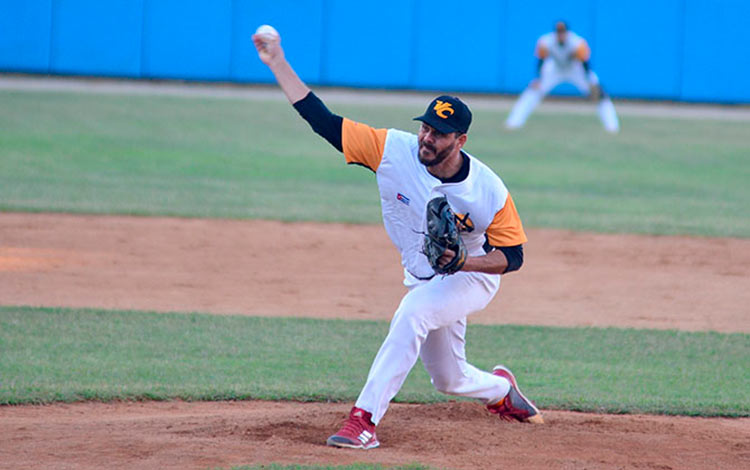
<point x="203" y="157"/>
<point x="67" y="355"/>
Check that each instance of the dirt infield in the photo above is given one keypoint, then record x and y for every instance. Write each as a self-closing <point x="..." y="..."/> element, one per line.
<point x="273" y="268"/>
<point x="348" y="271"/>
<point x="451" y="435"/>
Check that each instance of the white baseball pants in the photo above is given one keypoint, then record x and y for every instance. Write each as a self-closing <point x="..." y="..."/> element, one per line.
<point x="430" y="323"/>
<point x="551" y="75"/>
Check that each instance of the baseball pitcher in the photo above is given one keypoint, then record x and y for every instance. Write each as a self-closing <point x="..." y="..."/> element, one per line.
<point x="457" y="229"/>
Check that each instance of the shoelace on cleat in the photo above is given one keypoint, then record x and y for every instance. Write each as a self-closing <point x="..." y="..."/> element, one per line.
<point x="353" y="427"/>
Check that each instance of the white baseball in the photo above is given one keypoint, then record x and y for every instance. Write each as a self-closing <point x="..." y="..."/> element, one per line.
<point x="267" y="32"/>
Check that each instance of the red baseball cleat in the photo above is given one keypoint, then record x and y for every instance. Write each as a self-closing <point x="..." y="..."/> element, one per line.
<point x="514" y="406"/>
<point x="357" y="433"/>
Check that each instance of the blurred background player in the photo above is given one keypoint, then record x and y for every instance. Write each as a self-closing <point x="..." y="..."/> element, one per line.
<point x="563" y="58"/>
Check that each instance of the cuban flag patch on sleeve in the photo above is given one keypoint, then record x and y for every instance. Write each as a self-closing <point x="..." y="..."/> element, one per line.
<point x="402" y="198"/>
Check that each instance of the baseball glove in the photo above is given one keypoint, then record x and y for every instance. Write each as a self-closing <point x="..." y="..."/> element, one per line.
<point x="443" y="233"/>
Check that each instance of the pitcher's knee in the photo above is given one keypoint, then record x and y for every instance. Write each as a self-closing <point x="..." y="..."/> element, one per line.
<point x="445" y="384"/>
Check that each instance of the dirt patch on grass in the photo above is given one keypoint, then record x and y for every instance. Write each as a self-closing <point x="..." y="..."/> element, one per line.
<point x="344" y="271"/>
<point x="352" y="271"/>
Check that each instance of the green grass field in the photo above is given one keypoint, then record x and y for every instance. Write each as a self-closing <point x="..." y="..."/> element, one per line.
<point x="71" y="355"/>
<point x="202" y="157"/>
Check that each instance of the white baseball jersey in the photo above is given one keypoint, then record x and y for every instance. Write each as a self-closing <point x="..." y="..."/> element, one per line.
<point x="574" y="49"/>
<point x="405" y="187"/>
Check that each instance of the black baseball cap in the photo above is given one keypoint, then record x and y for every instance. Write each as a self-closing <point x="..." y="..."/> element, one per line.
<point x="447" y="114"/>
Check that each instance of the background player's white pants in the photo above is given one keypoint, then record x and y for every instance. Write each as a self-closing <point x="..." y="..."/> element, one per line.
<point x="526" y="103"/>
<point x="430" y="323"/>
<point x="551" y="75"/>
<point x="608" y="115"/>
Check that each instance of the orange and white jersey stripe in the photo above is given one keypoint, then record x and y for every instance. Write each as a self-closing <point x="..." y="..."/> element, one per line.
<point x="574" y="49"/>
<point x="362" y="144"/>
<point x="506" y="228"/>
<point x="405" y="186"/>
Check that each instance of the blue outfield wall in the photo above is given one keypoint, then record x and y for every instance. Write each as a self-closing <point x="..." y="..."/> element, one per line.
<point x="25" y="29"/>
<point x="454" y="48"/>
<point x="687" y="50"/>
<point x="649" y="48"/>
<point x="96" y="38"/>
<point x="187" y="39"/>
<point x="715" y="55"/>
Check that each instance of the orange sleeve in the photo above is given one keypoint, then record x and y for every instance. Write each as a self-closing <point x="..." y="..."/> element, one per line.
<point x="583" y="52"/>
<point x="541" y="50"/>
<point x="506" y="228"/>
<point x="363" y="144"/>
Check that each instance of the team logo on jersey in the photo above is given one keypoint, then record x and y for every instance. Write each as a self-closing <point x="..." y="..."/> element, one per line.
<point x="403" y="198"/>
<point x="441" y="108"/>
<point x="465" y="224"/>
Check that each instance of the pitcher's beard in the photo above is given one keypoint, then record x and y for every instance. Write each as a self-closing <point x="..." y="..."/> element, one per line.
<point x="439" y="156"/>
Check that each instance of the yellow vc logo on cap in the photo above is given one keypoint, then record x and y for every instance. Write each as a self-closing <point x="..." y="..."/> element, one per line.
<point x="441" y="108"/>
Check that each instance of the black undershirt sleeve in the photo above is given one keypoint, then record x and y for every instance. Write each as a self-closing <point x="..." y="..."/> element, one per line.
<point x="514" y="255"/>
<point x="323" y="122"/>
